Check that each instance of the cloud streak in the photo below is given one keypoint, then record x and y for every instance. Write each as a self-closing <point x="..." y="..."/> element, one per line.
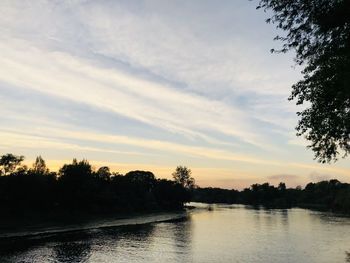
<point x="42" y="140"/>
<point x="103" y="77"/>
<point x="64" y="76"/>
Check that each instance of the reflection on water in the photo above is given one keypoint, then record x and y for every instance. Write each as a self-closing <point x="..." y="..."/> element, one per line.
<point x="224" y="234"/>
<point x="72" y="252"/>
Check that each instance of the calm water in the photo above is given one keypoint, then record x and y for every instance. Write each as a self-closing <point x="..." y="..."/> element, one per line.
<point x="225" y="234"/>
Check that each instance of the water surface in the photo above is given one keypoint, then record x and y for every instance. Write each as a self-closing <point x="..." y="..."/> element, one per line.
<point x="224" y="234"/>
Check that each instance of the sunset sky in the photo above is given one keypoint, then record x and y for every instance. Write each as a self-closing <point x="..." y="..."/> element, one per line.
<point x="151" y="85"/>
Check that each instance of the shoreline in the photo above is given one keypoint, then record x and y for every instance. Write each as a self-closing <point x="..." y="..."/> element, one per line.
<point x="44" y="228"/>
<point x="86" y="222"/>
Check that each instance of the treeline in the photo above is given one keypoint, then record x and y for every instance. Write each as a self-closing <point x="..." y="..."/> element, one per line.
<point x="330" y="195"/>
<point x="77" y="187"/>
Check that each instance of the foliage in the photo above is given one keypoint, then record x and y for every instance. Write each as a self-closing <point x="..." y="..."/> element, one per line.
<point x="319" y="32"/>
<point x="215" y="195"/>
<point x="77" y="187"/>
<point x="182" y="176"/>
<point x="39" y="166"/>
<point x="104" y="173"/>
<point x="331" y="195"/>
<point x="9" y="163"/>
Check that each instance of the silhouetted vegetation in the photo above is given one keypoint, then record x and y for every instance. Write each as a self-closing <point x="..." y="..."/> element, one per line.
<point x="319" y="33"/>
<point x="77" y="187"/>
<point x="182" y="175"/>
<point x="329" y="195"/>
<point x="215" y="195"/>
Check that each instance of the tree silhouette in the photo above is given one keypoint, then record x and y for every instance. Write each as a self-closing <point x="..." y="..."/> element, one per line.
<point x="104" y="173"/>
<point x="39" y="166"/>
<point x="182" y="176"/>
<point x="81" y="190"/>
<point x="76" y="184"/>
<point x="282" y="186"/>
<point x="319" y="32"/>
<point x="9" y="163"/>
<point x="144" y="178"/>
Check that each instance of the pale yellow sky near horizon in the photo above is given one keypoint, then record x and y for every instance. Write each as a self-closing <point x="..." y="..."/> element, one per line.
<point x="216" y="177"/>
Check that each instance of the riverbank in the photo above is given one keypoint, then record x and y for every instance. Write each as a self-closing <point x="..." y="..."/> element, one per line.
<point x="33" y="226"/>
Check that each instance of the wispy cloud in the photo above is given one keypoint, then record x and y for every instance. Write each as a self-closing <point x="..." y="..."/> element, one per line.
<point x="197" y="74"/>
<point x="25" y="141"/>
<point x="56" y="139"/>
<point x="46" y="138"/>
<point x="64" y="76"/>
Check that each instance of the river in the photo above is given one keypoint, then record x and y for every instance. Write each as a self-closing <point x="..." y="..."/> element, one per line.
<point x="225" y="233"/>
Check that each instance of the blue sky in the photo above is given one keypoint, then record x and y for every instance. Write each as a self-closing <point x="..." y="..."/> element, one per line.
<point x="151" y="85"/>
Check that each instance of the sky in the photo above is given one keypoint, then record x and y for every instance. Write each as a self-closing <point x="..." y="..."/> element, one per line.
<point x="151" y="85"/>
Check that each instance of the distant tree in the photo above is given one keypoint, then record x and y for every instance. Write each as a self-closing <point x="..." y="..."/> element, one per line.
<point x="76" y="169"/>
<point x="76" y="184"/>
<point x="319" y="32"/>
<point x="281" y="186"/>
<point x="182" y="176"/>
<point x="145" y="178"/>
<point x="9" y="163"/>
<point x="215" y="195"/>
<point x="169" y="194"/>
<point x="298" y="188"/>
<point x="39" y="166"/>
<point x="104" y="173"/>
